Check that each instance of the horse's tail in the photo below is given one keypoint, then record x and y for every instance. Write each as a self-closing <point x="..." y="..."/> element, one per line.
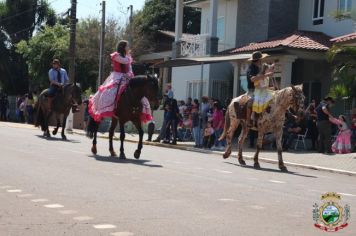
<point x="227" y="124"/>
<point x="39" y="121"/>
<point x="92" y="127"/>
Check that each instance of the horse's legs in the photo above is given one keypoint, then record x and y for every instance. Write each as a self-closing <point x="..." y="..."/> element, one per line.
<point x="241" y="142"/>
<point x="122" y="139"/>
<point x="111" y="135"/>
<point x="229" y="136"/>
<point x="46" y="129"/>
<point x="278" y="135"/>
<point x="54" y="132"/>
<point x="64" y="137"/>
<point x="140" y="133"/>
<point x="93" y="148"/>
<point x="258" y="148"/>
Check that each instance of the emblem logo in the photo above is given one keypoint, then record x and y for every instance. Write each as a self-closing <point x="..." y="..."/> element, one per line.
<point x="331" y="216"/>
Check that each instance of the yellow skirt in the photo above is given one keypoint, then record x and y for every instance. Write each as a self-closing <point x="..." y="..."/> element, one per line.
<point x="262" y="98"/>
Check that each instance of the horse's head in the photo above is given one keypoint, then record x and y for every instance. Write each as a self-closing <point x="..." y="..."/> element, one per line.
<point x="74" y="93"/>
<point x="297" y="98"/>
<point x="152" y="91"/>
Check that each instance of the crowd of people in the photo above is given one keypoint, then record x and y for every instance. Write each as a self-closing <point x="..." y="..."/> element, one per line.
<point x="205" y="122"/>
<point x="25" y="107"/>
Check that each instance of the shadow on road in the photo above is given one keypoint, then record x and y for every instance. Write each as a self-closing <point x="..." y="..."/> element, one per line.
<point x="271" y="170"/>
<point x="140" y="162"/>
<point x="57" y="139"/>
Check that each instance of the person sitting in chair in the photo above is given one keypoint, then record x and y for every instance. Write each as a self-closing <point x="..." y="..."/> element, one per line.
<point x="58" y="78"/>
<point x="298" y="127"/>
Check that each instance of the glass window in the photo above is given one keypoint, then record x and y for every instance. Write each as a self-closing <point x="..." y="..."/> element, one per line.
<point x="345" y="5"/>
<point x="220" y="28"/>
<point x="318" y="12"/>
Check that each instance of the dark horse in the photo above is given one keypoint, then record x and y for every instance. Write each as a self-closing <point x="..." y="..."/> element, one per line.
<point x="129" y="108"/>
<point x="64" y="100"/>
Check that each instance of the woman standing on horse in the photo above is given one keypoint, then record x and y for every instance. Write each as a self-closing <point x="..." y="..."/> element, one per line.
<point x="103" y="103"/>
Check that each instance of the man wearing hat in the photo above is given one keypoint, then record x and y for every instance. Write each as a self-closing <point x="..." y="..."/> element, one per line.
<point x="324" y="125"/>
<point x="254" y="75"/>
<point x="58" y="78"/>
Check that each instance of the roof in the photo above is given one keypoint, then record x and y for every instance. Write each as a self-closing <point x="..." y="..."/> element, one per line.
<point x="298" y="40"/>
<point x="173" y="34"/>
<point x="201" y="60"/>
<point x="344" y="38"/>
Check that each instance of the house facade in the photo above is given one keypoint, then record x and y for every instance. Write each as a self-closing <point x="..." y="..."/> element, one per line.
<point x="297" y="33"/>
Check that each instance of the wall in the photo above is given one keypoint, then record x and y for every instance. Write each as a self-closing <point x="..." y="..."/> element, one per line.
<point x="330" y="26"/>
<point x="181" y="75"/>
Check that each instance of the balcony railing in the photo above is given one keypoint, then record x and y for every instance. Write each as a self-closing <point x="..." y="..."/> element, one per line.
<point x="193" y="46"/>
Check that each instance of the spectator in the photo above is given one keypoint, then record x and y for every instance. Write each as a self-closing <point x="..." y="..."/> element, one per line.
<point x="311" y="124"/>
<point x="162" y="133"/>
<point x="209" y="136"/>
<point x="342" y="143"/>
<point x="150" y="130"/>
<point x="353" y="126"/>
<point x="172" y="121"/>
<point x="189" y="105"/>
<point x="324" y="125"/>
<point x="169" y="91"/>
<point x="218" y="125"/>
<point x="196" y="125"/>
<point x="22" y="109"/>
<point x="293" y="131"/>
<point x="30" y="103"/>
<point x="269" y="139"/>
<point x="86" y="114"/>
<point x="4" y="106"/>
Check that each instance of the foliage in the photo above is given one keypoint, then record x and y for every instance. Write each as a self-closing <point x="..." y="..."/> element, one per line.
<point x="158" y="15"/>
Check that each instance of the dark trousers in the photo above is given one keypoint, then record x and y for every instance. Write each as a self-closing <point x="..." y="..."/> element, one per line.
<point x="3" y="115"/>
<point x="150" y="130"/>
<point x="324" y="128"/>
<point x="172" y="127"/>
<point x="208" y="141"/>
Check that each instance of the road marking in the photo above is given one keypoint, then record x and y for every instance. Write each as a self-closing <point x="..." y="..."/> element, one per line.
<point x="67" y="212"/>
<point x="6" y="187"/>
<point x="226" y="200"/>
<point x="122" y="234"/>
<point x="14" y="191"/>
<point x="276" y="181"/>
<point x="83" y="218"/>
<point x="40" y="200"/>
<point x="104" y="226"/>
<point x="25" y="195"/>
<point x="347" y="194"/>
<point x="256" y="207"/>
<point x="223" y="171"/>
<point x="54" y="206"/>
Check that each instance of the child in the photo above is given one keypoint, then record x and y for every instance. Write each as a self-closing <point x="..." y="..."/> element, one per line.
<point x="342" y="143"/>
<point x="209" y="136"/>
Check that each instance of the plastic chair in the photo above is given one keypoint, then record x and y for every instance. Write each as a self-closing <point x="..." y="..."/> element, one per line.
<point x="301" y="138"/>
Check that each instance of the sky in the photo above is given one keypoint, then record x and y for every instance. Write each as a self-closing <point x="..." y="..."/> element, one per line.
<point x="85" y="8"/>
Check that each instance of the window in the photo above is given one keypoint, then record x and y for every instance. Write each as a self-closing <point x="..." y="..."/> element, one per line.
<point x="318" y="12"/>
<point x="220" y="28"/>
<point x="344" y="6"/>
<point x="194" y="88"/>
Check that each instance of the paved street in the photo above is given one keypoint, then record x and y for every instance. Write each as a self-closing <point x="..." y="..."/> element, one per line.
<point x="52" y="187"/>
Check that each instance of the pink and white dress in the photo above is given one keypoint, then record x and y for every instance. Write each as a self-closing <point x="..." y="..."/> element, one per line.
<point x="342" y="143"/>
<point x="103" y="103"/>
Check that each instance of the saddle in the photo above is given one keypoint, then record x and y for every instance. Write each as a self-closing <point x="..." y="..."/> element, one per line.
<point x="241" y="106"/>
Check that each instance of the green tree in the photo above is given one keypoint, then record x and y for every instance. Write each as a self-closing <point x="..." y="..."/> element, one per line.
<point x="18" y="20"/>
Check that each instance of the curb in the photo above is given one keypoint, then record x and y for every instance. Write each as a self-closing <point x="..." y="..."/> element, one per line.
<point x="265" y="160"/>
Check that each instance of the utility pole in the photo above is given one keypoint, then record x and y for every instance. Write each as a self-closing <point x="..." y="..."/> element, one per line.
<point x="130" y="22"/>
<point x="73" y="28"/>
<point x="102" y="43"/>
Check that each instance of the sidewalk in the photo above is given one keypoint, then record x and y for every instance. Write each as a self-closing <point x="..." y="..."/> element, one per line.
<point x="343" y="164"/>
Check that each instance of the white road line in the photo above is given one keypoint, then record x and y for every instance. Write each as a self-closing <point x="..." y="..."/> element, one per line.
<point x="25" y="195"/>
<point x="223" y="171"/>
<point x="68" y="212"/>
<point x="256" y="207"/>
<point x="104" y="226"/>
<point x="122" y="234"/>
<point x="6" y="187"/>
<point x="40" y="200"/>
<point x="276" y="181"/>
<point x="83" y="218"/>
<point x="53" y="206"/>
<point x="14" y="191"/>
<point x="227" y="200"/>
<point x="347" y="194"/>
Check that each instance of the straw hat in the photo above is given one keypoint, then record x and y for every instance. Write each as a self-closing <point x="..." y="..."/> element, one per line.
<point x="258" y="56"/>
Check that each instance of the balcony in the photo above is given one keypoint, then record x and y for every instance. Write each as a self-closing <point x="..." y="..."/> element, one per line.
<point x="193" y="45"/>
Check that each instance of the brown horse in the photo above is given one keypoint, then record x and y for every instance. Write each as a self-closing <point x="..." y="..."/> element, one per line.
<point x="62" y="103"/>
<point x="129" y="108"/>
<point x="269" y="121"/>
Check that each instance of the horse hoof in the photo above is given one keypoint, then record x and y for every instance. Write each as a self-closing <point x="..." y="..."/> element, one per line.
<point x="283" y="168"/>
<point x="257" y="166"/>
<point x="226" y="155"/>
<point x="64" y="137"/>
<point x="242" y="162"/>
<point x="122" y="156"/>
<point x="137" y="154"/>
<point x="113" y="154"/>
<point x="48" y="135"/>
<point x="54" y="132"/>
<point x="93" y="150"/>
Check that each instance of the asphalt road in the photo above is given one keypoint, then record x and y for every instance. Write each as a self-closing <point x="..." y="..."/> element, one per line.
<point x="53" y="187"/>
